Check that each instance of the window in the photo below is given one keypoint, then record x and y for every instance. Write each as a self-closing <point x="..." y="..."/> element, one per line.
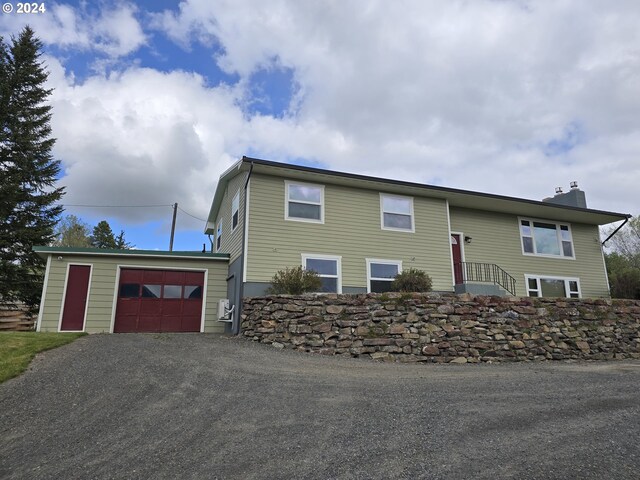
<point x="192" y="291"/>
<point x="172" y="291"/>
<point x="328" y="269"/>
<point x="396" y="213"/>
<point x="235" y="208"/>
<point x="552" y="286"/>
<point x="304" y="202"/>
<point x="219" y="236"/>
<point x="129" y="290"/>
<point x="546" y="239"/>
<point x="151" y="291"/>
<point x="380" y="274"/>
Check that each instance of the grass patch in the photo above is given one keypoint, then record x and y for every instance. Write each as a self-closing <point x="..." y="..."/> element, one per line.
<point x="17" y="349"/>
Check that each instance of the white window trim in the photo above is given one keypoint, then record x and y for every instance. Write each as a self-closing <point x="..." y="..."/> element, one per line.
<point x="528" y="276"/>
<point x="219" y="227"/>
<point x="381" y="261"/>
<point x="394" y="229"/>
<point x="236" y="197"/>
<point x="546" y="255"/>
<point x="286" y="202"/>
<point x="338" y="259"/>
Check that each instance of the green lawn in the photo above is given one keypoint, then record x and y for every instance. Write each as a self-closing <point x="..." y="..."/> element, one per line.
<point x="17" y="349"/>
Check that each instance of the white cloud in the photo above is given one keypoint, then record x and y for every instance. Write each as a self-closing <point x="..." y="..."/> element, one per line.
<point x="142" y="137"/>
<point x="468" y="94"/>
<point x="463" y="94"/>
<point x="114" y="31"/>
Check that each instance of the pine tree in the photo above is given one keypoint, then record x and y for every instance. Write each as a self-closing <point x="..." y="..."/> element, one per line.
<point x="121" y="243"/>
<point x="103" y="236"/>
<point x="28" y="171"/>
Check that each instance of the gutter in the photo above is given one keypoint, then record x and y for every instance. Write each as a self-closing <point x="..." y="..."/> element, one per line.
<point x="235" y="328"/>
<point x="626" y="220"/>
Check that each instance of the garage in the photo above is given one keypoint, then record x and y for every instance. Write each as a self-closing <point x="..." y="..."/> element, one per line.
<point x="159" y="301"/>
<point x="132" y="291"/>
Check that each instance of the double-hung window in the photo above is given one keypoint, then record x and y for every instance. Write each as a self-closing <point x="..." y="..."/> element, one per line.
<point x="328" y="269"/>
<point x="396" y="213"/>
<point x="540" y="286"/>
<point x="546" y="238"/>
<point x="219" y="236"/>
<point x="235" y="209"/>
<point x="380" y="274"/>
<point x="304" y="202"/>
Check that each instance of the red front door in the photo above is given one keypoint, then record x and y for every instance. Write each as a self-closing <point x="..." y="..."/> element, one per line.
<point x="75" y="299"/>
<point x="456" y="250"/>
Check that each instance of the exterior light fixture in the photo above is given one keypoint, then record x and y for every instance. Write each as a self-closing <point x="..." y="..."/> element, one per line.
<point x="467" y="239"/>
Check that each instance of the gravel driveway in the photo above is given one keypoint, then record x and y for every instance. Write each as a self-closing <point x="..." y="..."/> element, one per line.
<point x="202" y="406"/>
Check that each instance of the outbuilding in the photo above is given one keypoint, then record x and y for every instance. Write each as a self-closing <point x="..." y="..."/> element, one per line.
<point x="98" y="290"/>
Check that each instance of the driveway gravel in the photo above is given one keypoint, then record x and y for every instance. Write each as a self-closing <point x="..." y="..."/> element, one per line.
<point x="203" y="406"/>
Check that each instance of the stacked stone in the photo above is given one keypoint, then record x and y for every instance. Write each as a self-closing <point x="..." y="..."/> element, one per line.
<point x="446" y="328"/>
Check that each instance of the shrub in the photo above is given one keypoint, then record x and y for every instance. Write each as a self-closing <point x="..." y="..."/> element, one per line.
<point x="294" y="281"/>
<point x="411" y="280"/>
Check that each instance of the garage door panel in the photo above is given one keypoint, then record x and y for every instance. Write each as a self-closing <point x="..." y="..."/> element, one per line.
<point x="194" y="278"/>
<point x="149" y="323"/>
<point x="190" y="323"/>
<point x="131" y="276"/>
<point x="153" y="276"/>
<point x="128" y="307"/>
<point x="126" y="324"/>
<point x="150" y="307"/>
<point x="171" y="323"/>
<point x="167" y="301"/>
<point x="173" y="277"/>
<point x="190" y="307"/>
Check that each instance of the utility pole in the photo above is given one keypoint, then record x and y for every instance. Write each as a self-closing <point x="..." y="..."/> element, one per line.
<point x="173" y="226"/>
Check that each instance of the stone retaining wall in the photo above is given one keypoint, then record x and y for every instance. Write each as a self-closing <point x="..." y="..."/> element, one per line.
<point x="446" y="327"/>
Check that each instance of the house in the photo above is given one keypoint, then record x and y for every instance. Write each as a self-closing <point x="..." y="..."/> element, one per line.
<point x="357" y="232"/>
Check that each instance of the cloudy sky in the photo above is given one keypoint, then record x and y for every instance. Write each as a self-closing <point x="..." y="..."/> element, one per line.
<point x="154" y="99"/>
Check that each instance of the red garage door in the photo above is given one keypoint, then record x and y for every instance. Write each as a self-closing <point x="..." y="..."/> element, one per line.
<point x="159" y="301"/>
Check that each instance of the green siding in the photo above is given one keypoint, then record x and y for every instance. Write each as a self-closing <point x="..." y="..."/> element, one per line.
<point x="232" y="241"/>
<point x="351" y="230"/>
<point x="496" y="239"/>
<point x="102" y="288"/>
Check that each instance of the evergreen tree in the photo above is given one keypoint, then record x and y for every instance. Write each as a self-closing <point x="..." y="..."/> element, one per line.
<point x="27" y="169"/>
<point x="121" y="243"/>
<point x="103" y="236"/>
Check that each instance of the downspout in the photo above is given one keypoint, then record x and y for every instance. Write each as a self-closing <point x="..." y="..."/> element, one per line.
<point x="626" y="220"/>
<point x="210" y="241"/>
<point x="236" y="323"/>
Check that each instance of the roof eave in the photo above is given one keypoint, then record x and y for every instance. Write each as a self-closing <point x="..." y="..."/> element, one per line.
<point x="456" y="197"/>
<point x="218" y="196"/>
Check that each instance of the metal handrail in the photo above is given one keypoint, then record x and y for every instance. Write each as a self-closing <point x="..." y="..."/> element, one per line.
<point x="485" y="272"/>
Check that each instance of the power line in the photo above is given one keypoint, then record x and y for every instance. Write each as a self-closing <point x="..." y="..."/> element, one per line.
<point x="133" y="206"/>
<point x="192" y="216"/>
<point x="115" y="206"/>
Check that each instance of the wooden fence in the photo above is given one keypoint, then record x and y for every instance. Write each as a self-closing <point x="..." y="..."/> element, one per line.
<point x="16" y="318"/>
